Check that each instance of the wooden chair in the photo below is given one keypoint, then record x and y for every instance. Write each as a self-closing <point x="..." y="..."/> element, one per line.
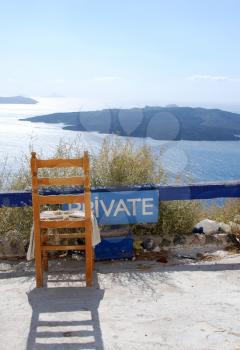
<point x="41" y="226"/>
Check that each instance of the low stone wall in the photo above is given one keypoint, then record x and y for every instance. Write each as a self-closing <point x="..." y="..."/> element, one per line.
<point x="151" y="242"/>
<point x="177" y="248"/>
<point x="13" y="246"/>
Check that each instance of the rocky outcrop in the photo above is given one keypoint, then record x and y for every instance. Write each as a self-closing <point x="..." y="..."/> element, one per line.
<point x="17" y="100"/>
<point x="160" y="123"/>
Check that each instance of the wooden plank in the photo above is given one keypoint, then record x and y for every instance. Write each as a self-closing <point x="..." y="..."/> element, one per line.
<point x="59" y="163"/>
<point x="61" y="199"/>
<point x="61" y="181"/>
<point x="63" y="247"/>
<point x="62" y="223"/>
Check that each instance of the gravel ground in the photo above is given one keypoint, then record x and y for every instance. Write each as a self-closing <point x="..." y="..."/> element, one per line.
<point x="133" y="305"/>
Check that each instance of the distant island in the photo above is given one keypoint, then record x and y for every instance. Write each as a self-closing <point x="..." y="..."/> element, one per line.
<point x="17" y="100"/>
<point x="160" y="123"/>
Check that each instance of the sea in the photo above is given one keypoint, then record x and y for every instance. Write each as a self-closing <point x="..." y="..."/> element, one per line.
<point x="183" y="161"/>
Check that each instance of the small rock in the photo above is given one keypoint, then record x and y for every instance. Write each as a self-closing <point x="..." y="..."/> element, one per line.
<point x="148" y="244"/>
<point x="232" y="238"/>
<point x="137" y="244"/>
<point x="165" y="243"/>
<point x="189" y="257"/>
<point x="26" y="245"/>
<point x="199" y="256"/>
<point x="156" y="249"/>
<point x="162" y="259"/>
<point x="77" y="257"/>
<point x="179" y="239"/>
<point x="199" y="240"/>
<point x="210" y="239"/>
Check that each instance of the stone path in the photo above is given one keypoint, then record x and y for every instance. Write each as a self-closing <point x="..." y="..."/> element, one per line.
<point x="133" y="305"/>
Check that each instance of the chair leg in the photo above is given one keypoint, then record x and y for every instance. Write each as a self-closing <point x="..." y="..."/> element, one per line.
<point x="45" y="253"/>
<point x="38" y="258"/>
<point x="45" y="261"/>
<point x="39" y="270"/>
<point x="89" y="260"/>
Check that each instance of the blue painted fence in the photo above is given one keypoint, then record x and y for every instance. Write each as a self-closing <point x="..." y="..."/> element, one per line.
<point x="230" y="189"/>
<point x="133" y="204"/>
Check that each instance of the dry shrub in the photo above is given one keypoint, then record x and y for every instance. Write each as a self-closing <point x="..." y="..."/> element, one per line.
<point x="123" y="163"/>
<point x="117" y="163"/>
<point x="225" y="213"/>
<point x="175" y="217"/>
<point x="178" y="217"/>
<point x="19" y="219"/>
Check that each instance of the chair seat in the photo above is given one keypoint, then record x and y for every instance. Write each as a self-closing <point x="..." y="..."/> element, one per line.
<point x="62" y="219"/>
<point x="61" y="214"/>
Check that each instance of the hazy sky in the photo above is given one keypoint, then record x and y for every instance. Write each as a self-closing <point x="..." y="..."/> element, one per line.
<point x="122" y="52"/>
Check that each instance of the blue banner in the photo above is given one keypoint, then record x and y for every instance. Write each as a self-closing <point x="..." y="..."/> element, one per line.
<point x="125" y="207"/>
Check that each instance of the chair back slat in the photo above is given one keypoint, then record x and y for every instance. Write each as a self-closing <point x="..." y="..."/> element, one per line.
<point x="59" y="163"/>
<point x="61" y="199"/>
<point x="61" y="181"/>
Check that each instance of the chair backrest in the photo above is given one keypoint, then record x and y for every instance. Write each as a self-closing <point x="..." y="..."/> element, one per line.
<point x="84" y="181"/>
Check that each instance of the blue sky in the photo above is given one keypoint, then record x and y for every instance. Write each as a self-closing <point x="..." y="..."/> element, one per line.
<point x="122" y="52"/>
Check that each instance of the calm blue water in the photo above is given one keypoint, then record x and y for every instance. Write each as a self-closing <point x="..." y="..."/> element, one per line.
<point x="194" y="160"/>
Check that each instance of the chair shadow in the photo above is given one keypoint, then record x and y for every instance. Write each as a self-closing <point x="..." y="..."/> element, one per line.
<point x="65" y="318"/>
